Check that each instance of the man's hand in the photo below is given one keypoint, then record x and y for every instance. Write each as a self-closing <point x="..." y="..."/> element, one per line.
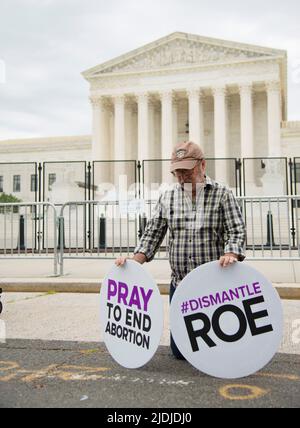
<point x="120" y="261"/>
<point x="228" y="259"/>
<point x="140" y="258"/>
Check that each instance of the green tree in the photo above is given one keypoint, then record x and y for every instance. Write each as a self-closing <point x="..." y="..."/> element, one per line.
<point x="8" y="199"/>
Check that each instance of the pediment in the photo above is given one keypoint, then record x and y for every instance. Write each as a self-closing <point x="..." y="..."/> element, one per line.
<point x="181" y="50"/>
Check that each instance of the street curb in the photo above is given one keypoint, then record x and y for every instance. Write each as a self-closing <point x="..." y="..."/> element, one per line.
<point x="288" y="292"/>
<point x="71" y="285"/>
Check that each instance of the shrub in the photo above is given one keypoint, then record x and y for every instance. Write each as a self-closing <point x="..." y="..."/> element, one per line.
<point x="8" y="199"/>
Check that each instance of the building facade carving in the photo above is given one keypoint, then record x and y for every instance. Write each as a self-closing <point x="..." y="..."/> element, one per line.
<point x="182" y="53"/>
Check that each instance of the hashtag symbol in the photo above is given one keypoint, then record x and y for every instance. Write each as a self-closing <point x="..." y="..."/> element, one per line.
<point x="184" y="307"/>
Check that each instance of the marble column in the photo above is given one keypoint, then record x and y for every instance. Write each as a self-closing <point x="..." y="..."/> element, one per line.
<point x="247" y="141"/>
<point x="100" y="134"/>
<point x="131" y="137"/>
<point x="100" y="142"/>
<point x="144" y="133"/>
<point x="166" y="133"/>
<point x="175" y="122"/>
<point x="153" y="154"/>
<point x="220" y="125"/>
<point x="143" y="126"/>
<point x="157" y="141"/>
<point x="196" y="116"/>
<point x="274" y="119"/>
<point x="247" y="134"/>
<point x="119" y="137"/>
<point x="274" y="178"/>
<point x="201" y="120"/>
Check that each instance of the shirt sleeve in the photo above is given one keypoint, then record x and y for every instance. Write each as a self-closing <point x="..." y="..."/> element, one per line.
<point x="154" y="233"/>
<point x="234" y="227"/>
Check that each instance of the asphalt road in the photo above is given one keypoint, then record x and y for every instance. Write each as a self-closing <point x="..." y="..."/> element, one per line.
<point x="76" y="374"/>
<point x="76" y="318"/>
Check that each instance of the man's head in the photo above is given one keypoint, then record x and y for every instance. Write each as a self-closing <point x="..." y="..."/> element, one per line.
<point x="188" y="163"/>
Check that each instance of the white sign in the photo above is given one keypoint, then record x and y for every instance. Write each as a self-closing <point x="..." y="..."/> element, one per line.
<point x="227" y="322"/>
<point x="131" y="314"/>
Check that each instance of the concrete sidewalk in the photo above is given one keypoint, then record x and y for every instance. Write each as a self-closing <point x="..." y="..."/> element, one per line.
<point x="87" y="285"/>
<point x="85" y="276"/>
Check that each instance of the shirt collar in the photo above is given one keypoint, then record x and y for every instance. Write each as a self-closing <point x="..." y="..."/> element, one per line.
<point x="208" y="181"/>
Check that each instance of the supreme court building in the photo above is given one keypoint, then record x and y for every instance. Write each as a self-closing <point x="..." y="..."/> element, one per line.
<point x="229" y="97"/>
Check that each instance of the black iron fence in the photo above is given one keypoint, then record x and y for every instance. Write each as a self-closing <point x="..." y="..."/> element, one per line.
<point x="271" y="234"/>
<point x="295" y="176"/>
<point x="18" y="179"/>
<point x="58" y="182"/>
<point x="266" y="176"/>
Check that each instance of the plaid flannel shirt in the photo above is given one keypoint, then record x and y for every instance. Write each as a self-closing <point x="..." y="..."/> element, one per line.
<point x="197" y="234"/>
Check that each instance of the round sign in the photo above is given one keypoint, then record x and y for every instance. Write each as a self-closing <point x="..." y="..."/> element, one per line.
<point x="131" y="315"/>
<point x="227" y="322"/>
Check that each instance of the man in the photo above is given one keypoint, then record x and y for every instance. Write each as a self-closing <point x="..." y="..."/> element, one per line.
<point x="203" y="219"/>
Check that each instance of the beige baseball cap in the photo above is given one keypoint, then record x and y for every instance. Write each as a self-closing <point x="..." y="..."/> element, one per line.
<point x="185" y="156"/>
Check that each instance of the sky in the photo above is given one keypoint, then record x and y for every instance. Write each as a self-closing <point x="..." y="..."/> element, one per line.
<point x="45" y="45"/>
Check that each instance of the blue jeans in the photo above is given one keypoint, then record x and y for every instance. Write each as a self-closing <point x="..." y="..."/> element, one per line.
<point x="177" y="354"/>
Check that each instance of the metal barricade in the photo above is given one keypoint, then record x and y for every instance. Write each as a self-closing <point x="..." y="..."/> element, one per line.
<point x="35" y="231"/>
<point x="28" y="231"/>
<point x="272" y="228"/>
<point x="112" y="230"/>
<point x="272" y="224"/>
